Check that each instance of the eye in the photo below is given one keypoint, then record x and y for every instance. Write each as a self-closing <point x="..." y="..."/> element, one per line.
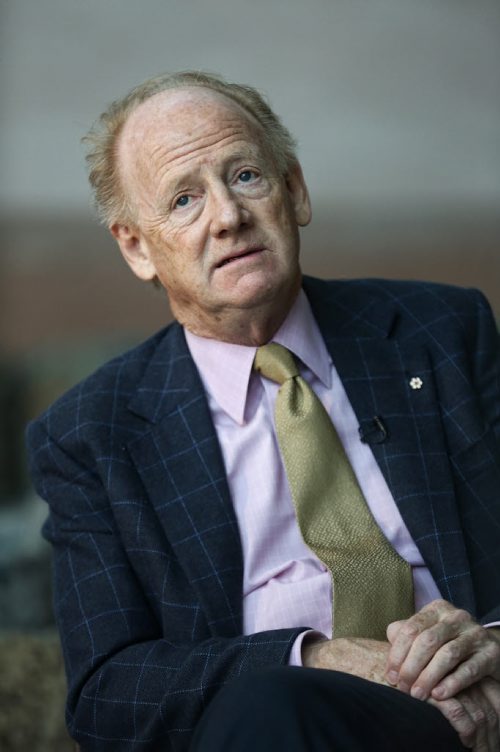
<point x="247" y="176"/>
<point x="181" y="201"/>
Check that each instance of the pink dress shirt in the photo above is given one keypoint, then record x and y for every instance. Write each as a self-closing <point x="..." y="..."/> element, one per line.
<point x="284" y="583"/>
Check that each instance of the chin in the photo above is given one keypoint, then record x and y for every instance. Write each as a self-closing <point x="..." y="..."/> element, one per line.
<point x="253" y="293"/>
<point x="260" y="287"/>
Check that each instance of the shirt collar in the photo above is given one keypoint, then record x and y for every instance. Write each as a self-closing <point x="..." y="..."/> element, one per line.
<point x="225" y="369"/>
<point x="300" y="334"/>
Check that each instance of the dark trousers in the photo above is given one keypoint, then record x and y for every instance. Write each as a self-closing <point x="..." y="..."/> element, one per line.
<point x="311" y="710"/>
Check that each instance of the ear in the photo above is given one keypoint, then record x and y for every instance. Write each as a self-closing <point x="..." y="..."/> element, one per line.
<point x="134" y="250"/>
<point x="299" y="194"/>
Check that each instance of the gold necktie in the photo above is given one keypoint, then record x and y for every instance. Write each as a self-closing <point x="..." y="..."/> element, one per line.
<point x="372" y="584"/>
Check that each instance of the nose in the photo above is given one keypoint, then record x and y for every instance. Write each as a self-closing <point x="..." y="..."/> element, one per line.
<point x="227" y="215"/>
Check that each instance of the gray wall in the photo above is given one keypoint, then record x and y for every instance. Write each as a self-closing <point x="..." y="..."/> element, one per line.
<point x="395" y="103"/>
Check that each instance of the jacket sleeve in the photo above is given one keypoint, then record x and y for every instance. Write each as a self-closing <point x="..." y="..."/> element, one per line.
<point x="130" y="687"/>
<point x="487" y="378"/>
<point x="477" y="465"/>
<point x="486" y="357"/>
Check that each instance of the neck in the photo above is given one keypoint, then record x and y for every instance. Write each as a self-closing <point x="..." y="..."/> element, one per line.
<point x="246" y="326"/>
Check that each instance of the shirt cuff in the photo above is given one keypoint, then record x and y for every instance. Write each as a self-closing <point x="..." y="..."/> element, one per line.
<point x="311" y="635"/>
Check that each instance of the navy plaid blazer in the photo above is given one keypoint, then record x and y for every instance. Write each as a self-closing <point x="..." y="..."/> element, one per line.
<point x="147" y="556"/>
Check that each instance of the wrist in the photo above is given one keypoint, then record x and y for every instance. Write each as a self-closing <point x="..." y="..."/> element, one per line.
<point x="312" y="650"/>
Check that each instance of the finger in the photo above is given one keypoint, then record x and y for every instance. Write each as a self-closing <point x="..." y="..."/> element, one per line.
<point x="406" y="636"/>
<point x="393" y="630"/>
<point x="470" y="670"/>
<point x="450" y="670"/>
<point x="439" y="650"/>
<point x="457" y="715"/>
<point x="491" y="690"/>
<point x="432" y="656"/>
<point x="493" y="732"/>
<point x="479" y="709"/>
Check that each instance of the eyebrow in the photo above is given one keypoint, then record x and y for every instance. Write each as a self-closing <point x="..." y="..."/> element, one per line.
<point x="185" y="178"/>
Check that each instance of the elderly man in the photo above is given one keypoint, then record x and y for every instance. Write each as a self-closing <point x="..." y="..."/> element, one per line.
<point x="275" y="523"/>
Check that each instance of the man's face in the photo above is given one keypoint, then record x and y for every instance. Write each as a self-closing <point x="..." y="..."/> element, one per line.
<point x="215" y="221"/>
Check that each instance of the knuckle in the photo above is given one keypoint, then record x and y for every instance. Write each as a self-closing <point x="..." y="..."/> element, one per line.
<point x="410" y="629"/>
<point x="491" y="685"/>
<point x="477" y="634"/>
<point x="429" y="639"/>
<point x="436" y="608"/>
<point x="461" y="615"/>
<point x="440" y="604"/>
<point x="451" y="651"/>
<point x="458" y="715"/>
<point x="493" y="651"/>
<point x="459" y="718"/>
<point x="470" y="670"/>
<point x="480" y="639"/>
<point x="457" y="618"/>
<point x="478" y="716"/>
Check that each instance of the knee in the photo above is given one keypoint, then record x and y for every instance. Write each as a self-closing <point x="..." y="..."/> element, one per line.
<point x="250" y="712"/>
<point x="264" y="693"/>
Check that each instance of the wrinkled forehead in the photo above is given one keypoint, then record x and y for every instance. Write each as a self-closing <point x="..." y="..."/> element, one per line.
<point x="172" y="120"/>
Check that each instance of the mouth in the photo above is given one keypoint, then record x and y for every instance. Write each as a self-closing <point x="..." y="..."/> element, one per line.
<point x="240" y="254"/>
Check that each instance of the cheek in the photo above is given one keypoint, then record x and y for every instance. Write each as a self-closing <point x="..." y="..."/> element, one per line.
<point x="163" y="245"/>
<point x="176" y="264"/>
<point x="279" y="208"/>
<point x="180" y="243"/>
<point x="284" y="222"/>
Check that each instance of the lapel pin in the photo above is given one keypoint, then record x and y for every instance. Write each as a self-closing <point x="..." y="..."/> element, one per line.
<point x="416" y="382"/>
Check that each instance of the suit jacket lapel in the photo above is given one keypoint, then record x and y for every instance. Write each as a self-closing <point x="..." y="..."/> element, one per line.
<point x="178" y="457"/>
<point x="376" y="370"/>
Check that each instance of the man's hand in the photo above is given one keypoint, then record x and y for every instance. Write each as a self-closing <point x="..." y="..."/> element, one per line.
<point x="474" y="714"/>
<point x="440" y="651"/>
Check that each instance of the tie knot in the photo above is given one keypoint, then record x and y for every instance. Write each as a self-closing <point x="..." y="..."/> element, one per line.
<point x="275" y="362"/>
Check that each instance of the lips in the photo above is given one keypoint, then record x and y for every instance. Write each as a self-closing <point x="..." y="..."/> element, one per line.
<point x="236" y="255"/>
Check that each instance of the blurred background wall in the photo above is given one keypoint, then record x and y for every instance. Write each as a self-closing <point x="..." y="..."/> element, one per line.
<point x="396" y="107"/>
<point x="395" y="104"/>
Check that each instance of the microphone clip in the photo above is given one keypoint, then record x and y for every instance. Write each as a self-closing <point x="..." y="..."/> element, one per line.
<point x="373" y="431"/>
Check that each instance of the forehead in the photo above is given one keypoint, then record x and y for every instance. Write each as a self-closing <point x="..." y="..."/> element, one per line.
<point x="174" y="125"/>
